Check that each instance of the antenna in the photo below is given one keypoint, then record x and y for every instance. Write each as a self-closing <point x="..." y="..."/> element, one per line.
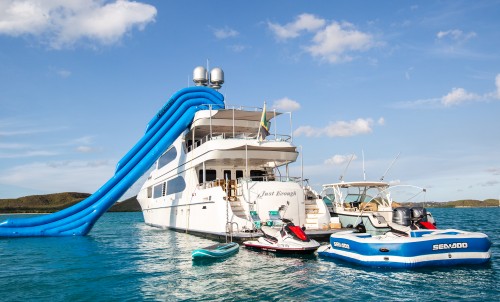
<point x="364" y="172"/>
<point x="390" y="166"/>
<point x="345" y="170"/>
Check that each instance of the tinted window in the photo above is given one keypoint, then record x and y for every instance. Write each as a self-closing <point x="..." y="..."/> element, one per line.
<point x="257" y="175"/>
<point x="209" y="175"/>
<point x="158" y="191"/>
<point x="169" y="156"/>
<point x="239" y="174"/>
<point x="176" y="185"/>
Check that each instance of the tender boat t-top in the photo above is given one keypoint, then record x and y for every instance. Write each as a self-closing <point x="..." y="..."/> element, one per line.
<point x="367" y="202"/>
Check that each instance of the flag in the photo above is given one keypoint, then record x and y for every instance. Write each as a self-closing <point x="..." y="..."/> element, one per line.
<point x="264" y="125"/>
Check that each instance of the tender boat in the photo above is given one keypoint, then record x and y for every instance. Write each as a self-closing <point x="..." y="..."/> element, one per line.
<point x="227" y="164"/>
<point x="420" y="248"/>
<point x="219" y="250"/>
<point x="284" y="238"/>
<point x="367" y="202"/>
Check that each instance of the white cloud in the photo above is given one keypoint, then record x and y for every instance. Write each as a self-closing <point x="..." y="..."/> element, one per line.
<point x="237" y="47"/>
<point x="339" y="160"/>
<point x="497" y="85"/>
<point x="63" y="73"/>
<point x="455" y="97"/>
<point x="286" y="104"/>
<point x="458" y="96"/>
<point x="339" y="129"/>
<point x="408" y="73"/>
<point x="26" y="130"/>
<point x="59" y="176"/>
<point x="336" y="40"/>
<point x="303" y="22"/>
<point x="27" y="153"/>
<point x="63" y="23"/>
<point x="224" y="33"/>
<point x="456" y="35"/>
<point x="85" y="149"/>
<point x="332" y="41"/>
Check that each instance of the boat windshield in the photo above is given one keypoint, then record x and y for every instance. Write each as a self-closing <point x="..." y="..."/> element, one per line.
<point x="354" y="194"/>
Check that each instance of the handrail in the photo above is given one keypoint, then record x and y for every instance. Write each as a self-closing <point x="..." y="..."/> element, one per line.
<point x="241" y="136"/>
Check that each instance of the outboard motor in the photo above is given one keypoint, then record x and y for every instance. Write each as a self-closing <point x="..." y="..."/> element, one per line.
<point x="420" y="219"/>
<point x="401" y="216"/>
<point x="418" y="214"/>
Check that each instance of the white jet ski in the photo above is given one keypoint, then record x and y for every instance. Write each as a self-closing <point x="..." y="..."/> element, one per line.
<point x="287" y="238"/>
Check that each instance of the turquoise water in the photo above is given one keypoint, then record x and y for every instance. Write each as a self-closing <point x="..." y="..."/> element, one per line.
<point x="124" y="260"/>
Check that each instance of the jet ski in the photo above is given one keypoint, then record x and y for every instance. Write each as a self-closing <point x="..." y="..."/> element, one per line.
<point x="287" y="238"/>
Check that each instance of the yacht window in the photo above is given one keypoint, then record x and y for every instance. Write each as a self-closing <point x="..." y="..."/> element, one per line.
<point x="209" y="175"/>
<point x="150" y="192"/>
<point x="239" y="174"/>
<point x="227" y="174"/>
<point x="257" y="175"/>
<point x="158" y="191"/>
<point x="176" y="185"/>
<point x="167" y="157"/>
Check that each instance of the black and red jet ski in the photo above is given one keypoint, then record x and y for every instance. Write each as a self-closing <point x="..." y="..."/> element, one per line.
<point x="287" y="238"/>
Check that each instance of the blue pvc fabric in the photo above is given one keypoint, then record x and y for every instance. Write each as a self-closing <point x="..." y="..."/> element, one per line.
<point x="172" y="119"/>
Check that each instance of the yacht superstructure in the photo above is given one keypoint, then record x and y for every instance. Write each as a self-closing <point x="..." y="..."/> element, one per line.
<point x="222" y="176"/>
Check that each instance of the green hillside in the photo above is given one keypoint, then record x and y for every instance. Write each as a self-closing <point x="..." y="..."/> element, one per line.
<point x="41" y="203"/>
<point x="55" y="202"/>
<point x="470" y="203"/>
<point x="127" y="205"/>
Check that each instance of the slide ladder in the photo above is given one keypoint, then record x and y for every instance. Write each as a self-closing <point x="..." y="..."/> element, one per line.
<point x="172" y="119"/>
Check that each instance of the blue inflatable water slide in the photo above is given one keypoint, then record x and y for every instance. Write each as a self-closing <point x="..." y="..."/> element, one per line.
<point x="172" y="119"/>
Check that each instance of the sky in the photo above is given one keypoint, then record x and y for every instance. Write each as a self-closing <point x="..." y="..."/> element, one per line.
<point x="409" y="90"/>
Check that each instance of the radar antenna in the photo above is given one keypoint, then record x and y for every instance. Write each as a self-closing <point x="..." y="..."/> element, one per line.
<point x="341" y="178"/>
<point x="390" y="166"/>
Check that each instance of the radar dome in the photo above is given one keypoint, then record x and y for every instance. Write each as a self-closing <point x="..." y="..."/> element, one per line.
<point x="200" y="77"/>
<point x="216" y="78"/>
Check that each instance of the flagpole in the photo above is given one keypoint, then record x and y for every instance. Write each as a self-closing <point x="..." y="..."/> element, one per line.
<point x="260" y="122"/>
<point x="258" y="132"/>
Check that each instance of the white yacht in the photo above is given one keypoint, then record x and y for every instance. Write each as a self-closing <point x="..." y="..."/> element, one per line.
<point x="223" y="176"/>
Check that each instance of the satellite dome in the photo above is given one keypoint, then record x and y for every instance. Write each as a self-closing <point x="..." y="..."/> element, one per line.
<point x="200" y="77"/>
<point x="216" y="78"/>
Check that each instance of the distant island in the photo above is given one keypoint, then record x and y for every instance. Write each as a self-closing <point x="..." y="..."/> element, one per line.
<point x="55" y="202"/>
<point x="50" y="203"/>
<point x="465" y="203"/>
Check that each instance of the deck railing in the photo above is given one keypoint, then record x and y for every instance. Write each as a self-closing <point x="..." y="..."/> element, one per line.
<point x="242" y="136"/>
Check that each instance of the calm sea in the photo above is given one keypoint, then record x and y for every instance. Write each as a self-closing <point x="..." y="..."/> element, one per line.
<point x="124" y="260"/>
